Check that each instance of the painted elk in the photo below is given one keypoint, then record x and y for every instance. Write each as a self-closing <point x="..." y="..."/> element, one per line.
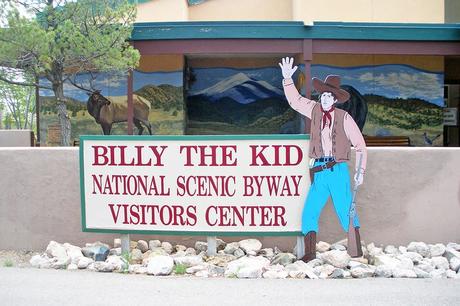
<point x="109" y="110"/>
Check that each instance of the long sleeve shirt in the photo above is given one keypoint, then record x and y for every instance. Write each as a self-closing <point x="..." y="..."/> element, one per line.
<point x="305" y="107"/>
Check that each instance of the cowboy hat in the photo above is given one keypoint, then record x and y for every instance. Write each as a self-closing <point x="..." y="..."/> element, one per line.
<point x="332" y="85"/>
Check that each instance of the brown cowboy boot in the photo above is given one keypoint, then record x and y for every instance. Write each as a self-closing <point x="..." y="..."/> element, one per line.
<point x="310" y="246"/>
<point x="354" y="245"/>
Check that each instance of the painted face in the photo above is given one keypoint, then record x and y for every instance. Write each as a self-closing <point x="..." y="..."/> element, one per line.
<point x="327" y="100"/>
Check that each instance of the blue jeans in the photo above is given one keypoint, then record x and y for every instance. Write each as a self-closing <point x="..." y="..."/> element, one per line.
<point x="335" y="183"/>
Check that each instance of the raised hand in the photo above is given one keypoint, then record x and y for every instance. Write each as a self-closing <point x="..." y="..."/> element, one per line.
<point x="286" y="67"/>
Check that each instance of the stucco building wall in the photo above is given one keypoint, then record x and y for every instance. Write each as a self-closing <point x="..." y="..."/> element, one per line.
<point x="308" y="11"/>
<point x="409" y="194"/>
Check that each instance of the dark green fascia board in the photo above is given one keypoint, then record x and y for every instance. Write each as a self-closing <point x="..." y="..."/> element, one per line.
<point x="295" y="30"/>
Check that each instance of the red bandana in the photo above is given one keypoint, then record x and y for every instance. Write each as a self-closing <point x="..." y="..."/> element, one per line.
<point x="327" y="115"/>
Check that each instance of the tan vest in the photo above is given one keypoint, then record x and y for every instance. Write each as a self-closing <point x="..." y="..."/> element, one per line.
<point x="340" y="143"/>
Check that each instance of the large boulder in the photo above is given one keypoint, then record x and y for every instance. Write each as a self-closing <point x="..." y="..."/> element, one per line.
<point x="96" y="252"/>
<point x="250" y="245"/>
<point x="160" y="265"/>
<point x="338" y="259"/>
<point x="247" y="267"/>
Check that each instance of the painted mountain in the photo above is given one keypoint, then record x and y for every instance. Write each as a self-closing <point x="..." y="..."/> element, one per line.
<point x="240" y="88"/>
<point x="240" y="104"/>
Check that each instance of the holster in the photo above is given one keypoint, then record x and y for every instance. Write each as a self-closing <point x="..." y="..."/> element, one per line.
<point x="326" y="166"/>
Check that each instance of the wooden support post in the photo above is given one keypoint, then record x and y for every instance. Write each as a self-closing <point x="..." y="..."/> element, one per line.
<point x="212" y="246"/>
<point x="307" y="59"/>
<point x="125" y="244"/>
<point x="130" y="102"/>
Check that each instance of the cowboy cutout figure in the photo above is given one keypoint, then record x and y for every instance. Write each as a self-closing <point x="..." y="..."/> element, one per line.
<point x="332" y="133"/>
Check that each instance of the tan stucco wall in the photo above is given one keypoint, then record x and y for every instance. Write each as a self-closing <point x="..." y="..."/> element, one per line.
<point x="423" y="11"/>
<point x="224" y="10"/>
<point x="409" y="194"/>
<point x="162" y="11"/>
<point x="15" y="138"/>
<point x="308" y="11"/>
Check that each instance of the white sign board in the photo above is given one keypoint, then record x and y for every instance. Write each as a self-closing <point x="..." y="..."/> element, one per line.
<point x="200" y="185"/>
<point x="451" y="116"/>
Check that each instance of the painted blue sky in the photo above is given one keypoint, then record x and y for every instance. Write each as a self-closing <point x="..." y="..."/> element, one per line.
<point x="391" y="81"/>
<point x="112" y="84"/>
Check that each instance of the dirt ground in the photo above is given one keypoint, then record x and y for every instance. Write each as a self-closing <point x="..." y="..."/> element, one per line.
<point x="19" y="259"/>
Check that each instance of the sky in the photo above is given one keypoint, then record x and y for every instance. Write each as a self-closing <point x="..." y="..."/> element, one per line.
<point x="392" y="81"/>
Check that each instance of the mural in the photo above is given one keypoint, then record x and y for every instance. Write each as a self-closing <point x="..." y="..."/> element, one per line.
<point x="393" y="100"/>
<point x="239" y="101"/>
<point x="158" y="105"/>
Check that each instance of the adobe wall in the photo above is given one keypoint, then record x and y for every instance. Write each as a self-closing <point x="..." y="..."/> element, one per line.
<point x="409" y="194"/>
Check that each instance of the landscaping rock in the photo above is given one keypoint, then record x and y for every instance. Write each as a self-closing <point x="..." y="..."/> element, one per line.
<point x="391" y="249"/>
<point x="102" y="266"/>
<point x="451" y="252"/>
<point x="231" y="247"/>
<point x="115" y="251"/>
<point x="190" y="251"/>
<point x="438" y="273"/>
<point x="40" y="261"/>
<point x="384" y="271"/>
<point x="136" y="256"/>
<point x="322" y="246"/>
<point x="338" y="247"/>
<point x="181" y="248"/>
<point x="440" y="262"/>
<point x="385" y="260"/>
<point x="362" y="272"/>
<point x="337" y="273"/>
<point x="160" y="265"/>
<point x="55" y="249"/>
<point x="249" y="245"/>
<point x="116" y="243"/>
<point x="275" y="274"/>
<point x="454" y="246"/>
<point x="201" y="246"/>
<point x="73" y="252"/>
<point x="167" y="247"/>
<point x="117" y="262"/>
<point x="421" y="273"/>
<point x="188" y="261"/>
<point x="303" y="267"/>
<point x="96" y="252"/>
<point x="239" y="253"/>
<point x="454" y="264"/>
<point x="60" y="262"/>
<point x="415" y="257"/>
<point x="404" y="273"/>
<point x="298" y="274"/>
<point x="142" y="245"/>
<point x="420" y="248"/>
<point x="437" y="249"/>
<point x="267" y="252"/>
<point x="84" y="262"/>
<point x="216" y="270"/>
<point x="220" y="260"/>
<point x="154" y="244"/>
<point x="338" y="259"/>
<point x="72" y="267"/>
<point x="283" y="259"/>
<point x="247" y="267"/>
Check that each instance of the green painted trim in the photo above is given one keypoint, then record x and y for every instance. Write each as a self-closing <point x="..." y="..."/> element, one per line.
<point x="191" y="233"/>
<point x="83" y="138"/>
<point x="82" y="187"/>
<point x="295" y="30"/>
<point x="195" y="137"/>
